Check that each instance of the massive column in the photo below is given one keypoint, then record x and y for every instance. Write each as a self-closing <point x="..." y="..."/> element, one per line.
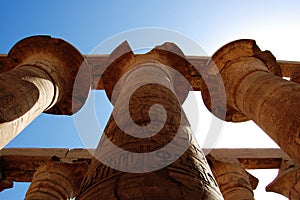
<point x="234" y="181"/>
<point x="56" y="180"/>
<point x="38" y="78"/>
<point x="255" y="90"/>
<point x="147" y="150"/>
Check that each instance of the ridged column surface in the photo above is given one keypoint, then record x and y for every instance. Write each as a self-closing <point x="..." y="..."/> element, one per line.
<point x="56" y="181"/>
<point x="25" y="92"/>
<point x="255" y="90"/>
<point x="179" y="171"/>
<point x="270" y="101"/>
<point x="232" y="179"/>
<point x="38" y="76"/>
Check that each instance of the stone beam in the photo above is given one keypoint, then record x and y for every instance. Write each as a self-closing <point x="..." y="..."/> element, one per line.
<point x="97" y="63"/>
<point x="19" y="164"/>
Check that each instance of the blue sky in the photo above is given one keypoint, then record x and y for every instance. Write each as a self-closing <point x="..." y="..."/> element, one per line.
<point x="85" y="24"/>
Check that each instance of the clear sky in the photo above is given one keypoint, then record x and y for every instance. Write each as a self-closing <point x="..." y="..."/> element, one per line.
<point x="273" y="24"/>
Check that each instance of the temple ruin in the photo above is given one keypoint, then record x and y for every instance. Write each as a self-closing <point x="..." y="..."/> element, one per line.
<point x="145" y="153"/>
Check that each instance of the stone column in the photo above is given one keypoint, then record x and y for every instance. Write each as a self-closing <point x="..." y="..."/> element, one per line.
<point x="56" y="181"/>
<point x="287" y="182"/>
<point x="255" y="90"/>
<point x="232" y="178"/>
<point x="154" y="156"/>
<point x="41" y="79"/>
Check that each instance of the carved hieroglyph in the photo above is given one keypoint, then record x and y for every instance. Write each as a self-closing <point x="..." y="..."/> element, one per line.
<point x="255" y="90"/>
<point x="177" y="172"/>
<point x="39" y="78"/>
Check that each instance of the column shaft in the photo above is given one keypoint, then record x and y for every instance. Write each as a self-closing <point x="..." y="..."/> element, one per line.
<point x="39" y="76"/>
<point x="25" y="93"/>
<point x="270" y="101"/>
<point x="135" y="173"/>
<point x="255" y="90"/>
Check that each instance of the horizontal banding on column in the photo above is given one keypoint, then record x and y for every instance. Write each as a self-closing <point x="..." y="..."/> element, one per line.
<point x="150" y="73"/>
<point x="235" y="71"/>
<point x="40" y="67"/>
<point x="273" y="103"/>
<point x="56" y="180"/>
<point x="218" y="67"/>
<point x="61" y="61"/>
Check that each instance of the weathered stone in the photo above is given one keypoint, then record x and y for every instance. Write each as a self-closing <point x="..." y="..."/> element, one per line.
<point x="39" y="73"/>
<point x="41" y="80"/>
<point x="20" y="164"/>
<point x="233" y="180"/>
<point x="253" y="92"/>
<point x="4" y="182"/>
<point x="98" y="62"/>
<point x="295" y="77"/>
<point x="135" y="162"/>
<point x="56" y="181"/>
<point x="287" y="182"/>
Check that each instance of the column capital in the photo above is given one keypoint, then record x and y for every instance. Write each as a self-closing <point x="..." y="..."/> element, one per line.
<point x="61" y="61"/>
<point x="222" y="59"/>
<point x="57" y="180"/>
<point x="122" y="60"/>
<point x="234" y="181"/>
